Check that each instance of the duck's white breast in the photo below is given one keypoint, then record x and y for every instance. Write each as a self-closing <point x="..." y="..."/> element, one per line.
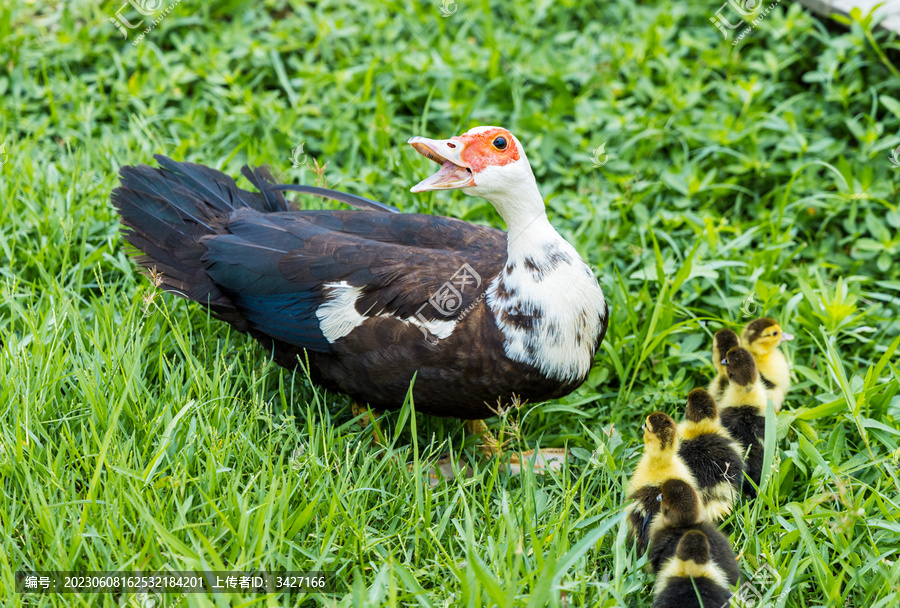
<point x="550" y="309"/>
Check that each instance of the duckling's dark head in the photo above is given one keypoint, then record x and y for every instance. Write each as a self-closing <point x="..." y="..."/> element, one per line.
<point x="764" y="335"/>
<point x="700" y="406"/>
<point x="680" y="505"/>
<point x="740" y="367"/>
<point x="724" y="341"/>
<point x="693" y="546"/>
<point x="660" y="431"/>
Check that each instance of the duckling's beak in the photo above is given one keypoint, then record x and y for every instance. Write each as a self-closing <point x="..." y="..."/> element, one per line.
<point x="786" y="337"/>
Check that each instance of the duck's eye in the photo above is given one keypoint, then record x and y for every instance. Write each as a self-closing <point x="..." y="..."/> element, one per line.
<point x="500" y="143"/>
<point x="644" y="427"/>
<point x="774" y="333"/>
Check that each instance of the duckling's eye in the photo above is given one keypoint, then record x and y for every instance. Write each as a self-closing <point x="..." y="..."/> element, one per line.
<point x="644" y="427"/>
<point x="500" y="143"/>
<point x="774" y="333"/>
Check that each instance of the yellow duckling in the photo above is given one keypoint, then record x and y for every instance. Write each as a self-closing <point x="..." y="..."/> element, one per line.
<point x="680" y="515"/>
<point x="712" y="455"/>
<point x="762" y="338"/>
<point x="659" y="463"/>
<point x="743" y="412"/>
<point x="723" y="341"/>
<point x="691" y="579"/>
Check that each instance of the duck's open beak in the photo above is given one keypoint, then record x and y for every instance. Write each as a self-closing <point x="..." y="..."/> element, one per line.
<point x="786" y="337"/>
<point x="454" y="172"/>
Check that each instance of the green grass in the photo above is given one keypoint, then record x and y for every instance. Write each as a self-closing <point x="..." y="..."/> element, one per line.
<point x="139" y="433"/>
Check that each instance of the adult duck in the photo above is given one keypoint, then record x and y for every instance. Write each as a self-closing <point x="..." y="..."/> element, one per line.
<point x="373" y="298"/>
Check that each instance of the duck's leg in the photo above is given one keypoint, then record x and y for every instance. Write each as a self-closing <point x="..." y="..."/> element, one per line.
<point x="443" y="467"/>
<point x="540" y="460"/>
<point x="490" y="447"/>
<point x="368" y="420"/>
<point x="544" y="459"/>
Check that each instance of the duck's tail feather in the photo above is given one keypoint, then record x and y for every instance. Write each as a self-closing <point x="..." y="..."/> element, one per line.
<point x="170" y="211"/>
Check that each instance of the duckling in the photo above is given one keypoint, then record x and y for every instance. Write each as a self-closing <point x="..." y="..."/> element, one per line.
<point x="659" y="463"/>
<point x="723" y="341"/>
<point x="691" y="579"/>
<point x="744" y="412"/>
<point x="762" y="338"/>
<point x="679" y="514"/>
<point x="712" y="455"/>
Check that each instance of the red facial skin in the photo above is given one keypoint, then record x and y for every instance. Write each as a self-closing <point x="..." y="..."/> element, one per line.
<point x="480" y="151"/>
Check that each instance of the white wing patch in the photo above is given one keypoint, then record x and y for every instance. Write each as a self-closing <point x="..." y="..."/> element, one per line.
<point x="440" y="329"/>
<point x="338" y="315"/>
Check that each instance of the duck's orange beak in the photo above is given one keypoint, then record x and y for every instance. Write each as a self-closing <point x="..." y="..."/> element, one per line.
<point x="454" y="172"/>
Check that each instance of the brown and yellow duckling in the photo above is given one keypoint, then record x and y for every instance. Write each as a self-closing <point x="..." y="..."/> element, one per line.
<point x="659" y="463"/>
<point x="723" y="341"/>
<point x="679" y="514"/>
<point x="743" y="412"/>
<point x="691" y="579"/>
<point x="712" y="455"/>
<point x="762" y="338"/>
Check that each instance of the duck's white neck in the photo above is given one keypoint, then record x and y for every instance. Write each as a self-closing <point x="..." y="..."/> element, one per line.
<point x="522" y="208"/>
<point x="531" y="235"/>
